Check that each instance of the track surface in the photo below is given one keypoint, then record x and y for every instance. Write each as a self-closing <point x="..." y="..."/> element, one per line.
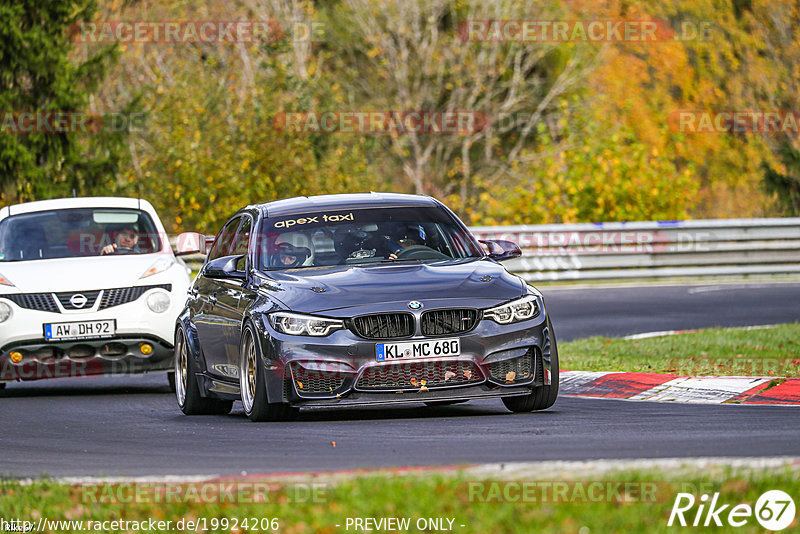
<point x="131" y="425"/>
<point x="619" y="311"/>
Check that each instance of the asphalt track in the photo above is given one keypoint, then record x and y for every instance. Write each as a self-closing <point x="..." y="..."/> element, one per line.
<point x="131" y="426"/>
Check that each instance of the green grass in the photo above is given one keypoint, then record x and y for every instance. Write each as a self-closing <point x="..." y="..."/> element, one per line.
<point x="416" y="496"/>
<point x="773" y="351"/>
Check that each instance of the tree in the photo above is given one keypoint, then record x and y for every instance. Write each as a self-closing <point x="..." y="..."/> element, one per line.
<point x="38" y="75"/>
<point x="785" y="186"/>
<point x="414" y="55"/>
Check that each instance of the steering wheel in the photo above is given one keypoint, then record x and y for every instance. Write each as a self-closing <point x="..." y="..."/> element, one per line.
<point x="420" y="252"/>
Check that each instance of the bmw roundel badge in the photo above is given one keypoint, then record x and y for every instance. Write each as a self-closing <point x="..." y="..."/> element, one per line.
<point x="414" y="305"/>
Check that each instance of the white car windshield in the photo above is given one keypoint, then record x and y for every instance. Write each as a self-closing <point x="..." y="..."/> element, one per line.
<point x="362" y="236"/>
<point x="77" y="232"/>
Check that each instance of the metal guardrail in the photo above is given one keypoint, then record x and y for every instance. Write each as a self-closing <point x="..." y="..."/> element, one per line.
<point x="647" y="250"/>
<point x="655" y="249"/>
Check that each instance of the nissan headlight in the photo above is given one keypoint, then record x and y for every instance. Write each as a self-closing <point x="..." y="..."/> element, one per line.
<point x="5" y="281"/>
<point x="158" y="301"/>
<point x="296" y="324"/>
<point x="515" y="311"/>
<point x="161" y="264"/>
<point x="5" y="312"/>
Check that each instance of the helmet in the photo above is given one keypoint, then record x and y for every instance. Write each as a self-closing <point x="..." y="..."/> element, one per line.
<point x="294" y="244"/>
<point x="413" y="232"/>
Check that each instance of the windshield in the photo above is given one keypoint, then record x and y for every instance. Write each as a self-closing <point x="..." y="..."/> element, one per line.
<point x="363" y="236"/>
<point x="79" y="232"/>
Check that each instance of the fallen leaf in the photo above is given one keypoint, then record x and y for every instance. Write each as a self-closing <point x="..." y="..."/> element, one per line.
<point x="423" y="388"/>
<point x="423" y="382"/>
<point x="414" y="382"/>
<point x="399" y="391"/>
<point x="334" y="444"/>
<point x="299" y="384"/>
<point x="510" y="376"/>
<point x="467" y="374"/>
<point x="448" y="375"/>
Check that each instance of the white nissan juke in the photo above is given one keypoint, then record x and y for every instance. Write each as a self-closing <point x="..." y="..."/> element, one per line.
<point x="87" y="286"/>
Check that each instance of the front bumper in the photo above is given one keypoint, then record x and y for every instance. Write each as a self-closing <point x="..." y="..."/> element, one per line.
<point x="26" y="355"/>
<point x="342" y="369"/>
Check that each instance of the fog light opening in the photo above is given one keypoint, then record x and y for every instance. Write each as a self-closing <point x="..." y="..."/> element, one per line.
<point x="80" y="352"/>
<point x="146" y="349"/>
<point x="113" y="349"/>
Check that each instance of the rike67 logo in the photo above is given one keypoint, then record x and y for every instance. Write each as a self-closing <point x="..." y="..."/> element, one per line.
<point x="774" y="510"/>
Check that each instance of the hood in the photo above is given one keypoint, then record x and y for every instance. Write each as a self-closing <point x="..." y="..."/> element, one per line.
<point x="75" y="274"/>
<point x="321" y="289"/>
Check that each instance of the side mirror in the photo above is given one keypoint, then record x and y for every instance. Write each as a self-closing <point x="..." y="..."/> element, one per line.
<point x="501" y="250"/>
<point x="225" y="268"/>
<point x="190" y="243"/>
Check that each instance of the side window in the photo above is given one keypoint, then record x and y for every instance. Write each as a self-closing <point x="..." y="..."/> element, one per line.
<point x="242" y="239"/>
<point x="241" y="242"/>
<point x="222" y="245"/>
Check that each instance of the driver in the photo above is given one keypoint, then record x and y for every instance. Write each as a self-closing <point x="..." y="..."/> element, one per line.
<point x="406" y="236"/>
<point x="125" y="240"/>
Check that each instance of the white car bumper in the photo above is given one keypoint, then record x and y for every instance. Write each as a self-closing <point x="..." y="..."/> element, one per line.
<point x="142" y="339"/>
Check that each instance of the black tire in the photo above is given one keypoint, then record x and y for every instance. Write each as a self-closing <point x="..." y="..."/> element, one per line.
<point x="187" y="392"/>
<point x="542" y="397"/>
<point x="171" y="380"/>
<point x="252" y="383"/>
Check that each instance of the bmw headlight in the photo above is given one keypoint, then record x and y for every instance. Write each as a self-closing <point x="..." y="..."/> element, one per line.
<point x="158" y="301"/>
<point x="5" y="312"/>
<point x="161" y="264"/>
<point x="296" y="324"/>
<point x="514" y="311"/>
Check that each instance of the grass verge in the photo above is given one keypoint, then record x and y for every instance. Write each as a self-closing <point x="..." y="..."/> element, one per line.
<point x="773" y="351"/>
<point x="623" y="501"/>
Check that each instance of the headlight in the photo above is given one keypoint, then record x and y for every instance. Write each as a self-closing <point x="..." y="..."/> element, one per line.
<point x="5" y="312"/>
<point x="295" y="324"/>
<point x="5" y="281"/>
<point x="161" y="264"/>
<point x="158" y="301"/>
<point x="514" y="311"/>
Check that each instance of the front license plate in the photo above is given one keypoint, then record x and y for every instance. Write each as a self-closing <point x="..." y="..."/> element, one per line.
<point x="79" y="330"/>
<point x="417" y="349"/>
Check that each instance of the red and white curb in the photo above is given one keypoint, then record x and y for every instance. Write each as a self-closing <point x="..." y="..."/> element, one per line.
<point x="676" y="388"/>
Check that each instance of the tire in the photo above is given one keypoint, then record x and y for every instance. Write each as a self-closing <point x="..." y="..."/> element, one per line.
<point x="171" y="380"/>
<point x="252" y="383"/>
<point x="542" y="397"/>
<point x="187" y="392"/>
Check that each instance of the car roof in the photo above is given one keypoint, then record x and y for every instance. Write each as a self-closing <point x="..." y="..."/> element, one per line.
<point x="77" y="202"/>
<point x="292" y="206"/>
